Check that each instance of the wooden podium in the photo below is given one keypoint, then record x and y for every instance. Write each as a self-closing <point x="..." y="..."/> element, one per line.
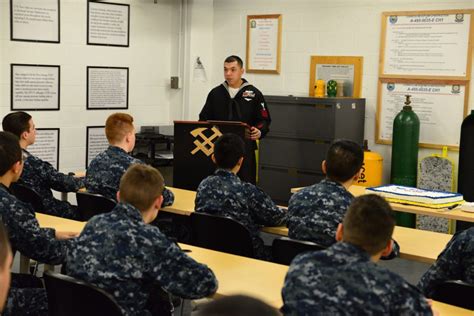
<point x="193" y="148"/>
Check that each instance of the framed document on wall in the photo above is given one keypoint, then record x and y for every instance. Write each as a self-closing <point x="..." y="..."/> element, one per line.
<point x="96" y="142"/>
<point x="108" y="24"/>
<point x="46" y="145"/>
<point x="347" y="69"/>
<point x="426" y="44"/>
<point x="263" y="43"/>
<point x="35" y="21"/>
<point x="34" y="87"/>
<point x="107" y="88"/>
<point x="441" y="108"/>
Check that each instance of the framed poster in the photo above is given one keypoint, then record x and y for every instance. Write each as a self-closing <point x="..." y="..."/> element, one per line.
<point x="341" y="68"/>
<point x="34" y="87"/>
<point x="107" y="88"/>
<point x="426" y="44"/>
<point x="108" y="24"/>
<point x="263" y="43"/>
<point x="35" y="21"/>
<point x="46" y="145"/>
<point x="441" y="108"/>
<point x="96" y="142"/>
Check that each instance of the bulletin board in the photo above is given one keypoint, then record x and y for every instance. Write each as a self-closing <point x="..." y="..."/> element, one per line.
<point x="428" y="55"/>
<point x="346" y="68"/>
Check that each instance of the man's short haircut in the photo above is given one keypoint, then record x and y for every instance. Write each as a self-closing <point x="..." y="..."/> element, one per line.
<point x="117" y="126"/>
<point x="10" y="151"/>
<point x="16" y="123"/>
<point x="233" y="58"/>
<point x="237" y="305"/>
<point x="4" y="246"/>
<point x="228" y="149"/>
<point x="140" y="186"/>
<point x="343" y="160"/>
<point x="369" y="223"/>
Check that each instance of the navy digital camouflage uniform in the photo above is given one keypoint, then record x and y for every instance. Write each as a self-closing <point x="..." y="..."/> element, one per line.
<point x="456" y="262"/>
<point x="107" y="168"/>
<point x="224" y="194"/>
<point x="118" y="252"/>
<point x="342" y="280"/>
<point x="32" y="241"/>
<point x="40" y="176"/>
<point x="315" y="212"/>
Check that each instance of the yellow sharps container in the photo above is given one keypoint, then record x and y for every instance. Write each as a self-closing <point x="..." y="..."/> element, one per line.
<point x="371" y="175"/>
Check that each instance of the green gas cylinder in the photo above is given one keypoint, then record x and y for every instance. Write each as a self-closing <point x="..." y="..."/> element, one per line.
<point x="406" y="135"/>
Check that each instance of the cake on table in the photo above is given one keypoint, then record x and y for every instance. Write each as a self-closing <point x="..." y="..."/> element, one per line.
<point x="414" y="196"/>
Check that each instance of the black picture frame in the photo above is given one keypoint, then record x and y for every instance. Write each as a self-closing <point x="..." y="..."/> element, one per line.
<point x="35" y="40"/>
<point x="12" y="88"/>
<point x="88" y="128"/>
<point x="128" y="24"/>
<point x="58" y="145"/>
<point x="88" y="107"/>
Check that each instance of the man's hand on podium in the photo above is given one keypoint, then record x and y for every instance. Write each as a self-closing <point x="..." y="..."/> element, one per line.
<point x="255" y="133"/>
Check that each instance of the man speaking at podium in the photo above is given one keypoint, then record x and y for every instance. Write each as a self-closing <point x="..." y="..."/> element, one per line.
<point x="237" y="100"/>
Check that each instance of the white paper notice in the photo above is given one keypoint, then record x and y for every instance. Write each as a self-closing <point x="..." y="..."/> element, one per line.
<point x="263" y="44"/>
<point x="96" y="142"/>
<point x="427" y="45"/>
<point x="440" y="109"/>
<point x="34" y="20"/>
<point x="35" y="87"/>
<point x="46" y="145"/>
<point x="107" y="88"/>
<point x="108" y="24"/>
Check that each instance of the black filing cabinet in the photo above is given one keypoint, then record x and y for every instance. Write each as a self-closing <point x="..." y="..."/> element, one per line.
<point x="300" y="134"/>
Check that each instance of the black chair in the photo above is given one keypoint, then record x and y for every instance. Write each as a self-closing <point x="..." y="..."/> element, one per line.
<point x="89" y="205"/>
<point x="72" y="297"/>
<point x="456" y="293"/>
<point x="28" y="195"/>
<point x="221" y="233"/>
<point x="285" y="249"/>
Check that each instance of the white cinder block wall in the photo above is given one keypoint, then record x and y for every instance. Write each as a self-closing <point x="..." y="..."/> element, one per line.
<point x="316" y="27"/>
<point x="150" y="60"/>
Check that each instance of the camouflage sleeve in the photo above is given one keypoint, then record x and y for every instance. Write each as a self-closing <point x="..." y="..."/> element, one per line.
<point x="446" y="267"/>
<point x="168" y="197"/>
<point x="26" y="301"/>
<point x="31" y="240"/>
<point x="410" y="302"/>
<point x="264" y="209"/>
<point x="181" y="275"/>
<point x="59" y="181"/>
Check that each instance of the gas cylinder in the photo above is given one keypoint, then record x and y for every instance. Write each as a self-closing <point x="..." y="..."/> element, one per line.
<point x="406" y="135"/>
<point x="466" y="163"/>
<point x="371" y="175"/>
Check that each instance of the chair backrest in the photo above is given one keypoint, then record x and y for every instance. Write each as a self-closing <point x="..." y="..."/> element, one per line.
<point x="72" y="297"/>
<point x="456" y="293"/>
<point x="221" y="233"/>
<point x="285" y="249"/>
<point x="27" y="195"/>
<point x="89" y="205"/>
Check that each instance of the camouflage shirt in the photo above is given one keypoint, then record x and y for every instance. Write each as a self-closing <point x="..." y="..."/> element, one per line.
<point x="224" y="194"/>
<point x="456" y="262"/>
<point x="105" y="170"/>
<point x="25" y="234"/>
<point x="342" y="280"/>
<point x="40" y="176"/>
<point x="315" y="212"/>
<point x="118" y="252"/>
<point x="32" y="241"/>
